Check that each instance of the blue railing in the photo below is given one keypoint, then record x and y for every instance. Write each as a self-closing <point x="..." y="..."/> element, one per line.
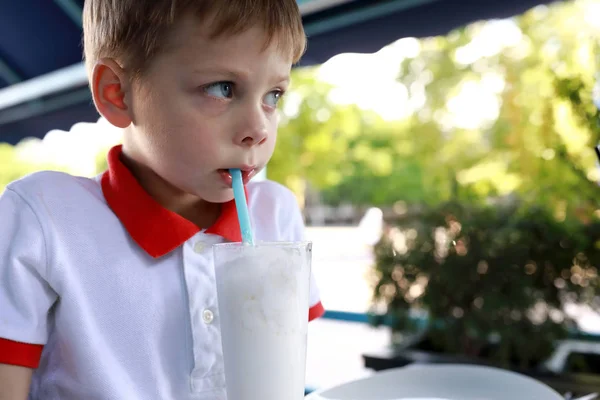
<point x="366" y="319"/>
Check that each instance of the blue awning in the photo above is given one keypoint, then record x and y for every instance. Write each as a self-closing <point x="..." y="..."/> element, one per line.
<point x="38" y="37"/>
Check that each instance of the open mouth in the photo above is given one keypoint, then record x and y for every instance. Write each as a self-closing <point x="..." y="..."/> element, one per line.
<point x="247" y="175"/>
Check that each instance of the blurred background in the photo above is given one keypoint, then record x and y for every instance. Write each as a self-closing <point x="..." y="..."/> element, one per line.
<point x="442" y="152"/>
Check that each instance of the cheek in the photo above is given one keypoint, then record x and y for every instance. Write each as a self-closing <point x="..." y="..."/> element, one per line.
<point x="161" y="101"/>
<point x="273" y="127"/>
<point x="161" y="131"/>
<point x="194" y="140"/>
<point x="165" y="117"/>
<point x="151" y="113"/>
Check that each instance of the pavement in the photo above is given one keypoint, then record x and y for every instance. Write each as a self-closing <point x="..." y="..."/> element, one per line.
<point x="341" y="264"/>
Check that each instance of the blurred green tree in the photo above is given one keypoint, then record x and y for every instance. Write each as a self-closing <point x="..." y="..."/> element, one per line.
<point x="506" y="109"/>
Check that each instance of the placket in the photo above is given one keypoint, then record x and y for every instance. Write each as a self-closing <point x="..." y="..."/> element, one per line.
<point x="208" y="370"/>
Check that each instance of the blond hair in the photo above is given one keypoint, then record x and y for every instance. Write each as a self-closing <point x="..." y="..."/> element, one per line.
<point x="133" y="32"/>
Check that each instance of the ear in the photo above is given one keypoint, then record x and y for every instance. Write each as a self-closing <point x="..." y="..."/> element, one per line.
<point x="110" y="86"/>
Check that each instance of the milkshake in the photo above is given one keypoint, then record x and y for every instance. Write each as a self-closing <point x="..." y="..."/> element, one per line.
<point x="263" y="295"/>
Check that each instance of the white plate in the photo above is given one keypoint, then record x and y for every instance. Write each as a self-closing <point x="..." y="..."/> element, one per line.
<point x="441" y="382"/>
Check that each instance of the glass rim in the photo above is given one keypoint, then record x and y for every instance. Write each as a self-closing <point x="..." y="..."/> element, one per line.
<point x="300" y="243"/>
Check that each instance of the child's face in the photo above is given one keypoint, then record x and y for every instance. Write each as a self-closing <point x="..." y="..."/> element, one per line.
<point x="207" y="105"/>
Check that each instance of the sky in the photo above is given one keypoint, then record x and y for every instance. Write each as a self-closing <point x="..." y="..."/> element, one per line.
<point x="370" y="80"/>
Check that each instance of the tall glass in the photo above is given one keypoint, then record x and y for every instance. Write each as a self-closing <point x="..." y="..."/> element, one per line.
<point x="263" y="296"/>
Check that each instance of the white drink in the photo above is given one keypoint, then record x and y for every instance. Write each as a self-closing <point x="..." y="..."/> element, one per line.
<point x="263" y="295"/>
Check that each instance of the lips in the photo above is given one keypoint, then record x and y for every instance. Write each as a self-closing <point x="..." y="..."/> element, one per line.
<point x="247" y="174"/>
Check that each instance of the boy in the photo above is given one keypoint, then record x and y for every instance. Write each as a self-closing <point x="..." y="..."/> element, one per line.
<point x="107" y="285"/>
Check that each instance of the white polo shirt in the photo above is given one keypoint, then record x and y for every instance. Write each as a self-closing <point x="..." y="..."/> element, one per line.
<point x="111" y="296"/>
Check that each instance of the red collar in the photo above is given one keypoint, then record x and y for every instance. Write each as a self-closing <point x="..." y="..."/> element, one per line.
<point x="154" y="228"/>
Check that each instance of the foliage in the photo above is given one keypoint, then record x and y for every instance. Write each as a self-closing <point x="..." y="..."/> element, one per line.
<point x="15" y="163"/>
<point x="13" y="167"/>
<point x="483" y="272"/>
<point x="517" y="237"/>
<point x="500" y="107"/>
<point x="313" y="135"/>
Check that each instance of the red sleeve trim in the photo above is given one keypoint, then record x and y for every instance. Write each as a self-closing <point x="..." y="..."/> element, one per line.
<point x="316" y="311"/>
<point x="21" y="354"/>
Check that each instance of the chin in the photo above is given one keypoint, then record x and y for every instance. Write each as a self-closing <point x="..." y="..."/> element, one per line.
<point x="218" y="196"/>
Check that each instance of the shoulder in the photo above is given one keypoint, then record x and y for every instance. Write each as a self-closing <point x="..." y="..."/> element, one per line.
<point x="275" y="212"/>
<point x="53" y="188"/>
<point x="272" y="194"/>
<point x="49" y="180"/>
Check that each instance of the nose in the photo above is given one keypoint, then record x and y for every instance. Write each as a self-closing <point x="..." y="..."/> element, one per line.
<point x="252" y="129"/>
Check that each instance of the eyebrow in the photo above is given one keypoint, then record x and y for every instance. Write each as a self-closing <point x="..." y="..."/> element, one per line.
<point x="233" y="74"/>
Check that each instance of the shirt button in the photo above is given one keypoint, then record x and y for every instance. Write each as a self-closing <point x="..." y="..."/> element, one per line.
<point x="207" y="316"/>
<point x="199" y="247"/>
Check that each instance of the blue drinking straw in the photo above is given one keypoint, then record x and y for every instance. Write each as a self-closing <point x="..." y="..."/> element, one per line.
<point x="241" y="206"/>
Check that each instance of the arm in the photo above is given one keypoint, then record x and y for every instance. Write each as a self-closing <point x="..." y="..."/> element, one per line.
<point x="25" y="295"/>
<point x="14" y="382"/>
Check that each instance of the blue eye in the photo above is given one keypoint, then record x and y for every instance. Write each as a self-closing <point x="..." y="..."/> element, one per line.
<point x="273" y="98"/>
<point x="222" y="90"/>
